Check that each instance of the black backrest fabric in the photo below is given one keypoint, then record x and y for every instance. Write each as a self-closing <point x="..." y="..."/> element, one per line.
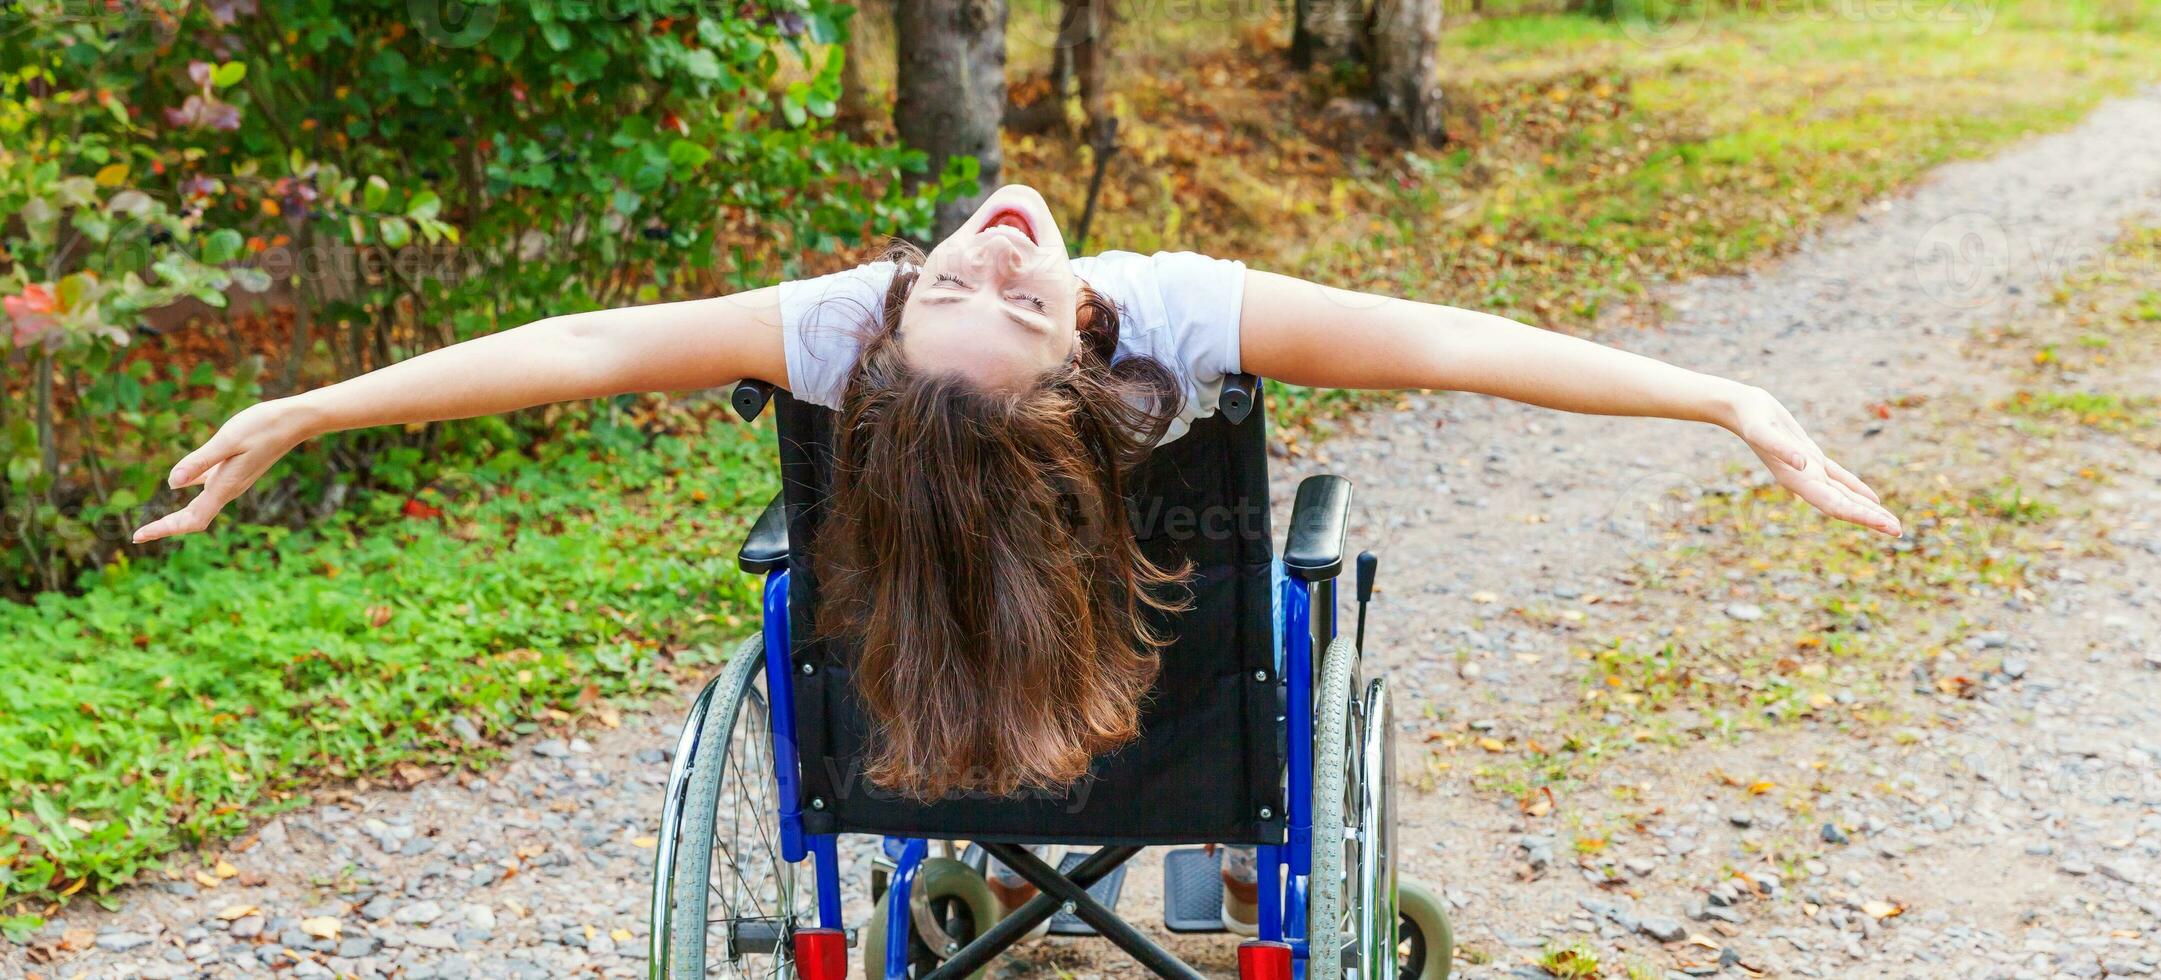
<point x="1209" y="759"/>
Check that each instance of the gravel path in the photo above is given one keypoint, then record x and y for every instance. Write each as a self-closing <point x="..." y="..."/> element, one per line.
<point x="2012" y="832"/>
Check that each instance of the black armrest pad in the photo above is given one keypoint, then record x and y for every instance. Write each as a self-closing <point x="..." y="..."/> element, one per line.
<point x="1240" y="392"/>
<point x="1318" y="521"/>
<point x="766" y="547"/>
<point x="749" y="397"/>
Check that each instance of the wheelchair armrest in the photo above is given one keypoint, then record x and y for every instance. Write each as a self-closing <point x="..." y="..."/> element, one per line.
<point x="1319" y="518"/>
<point x="748" y="398"/>
<point x="765" y="548"/>
<point x="1240" y="393"/>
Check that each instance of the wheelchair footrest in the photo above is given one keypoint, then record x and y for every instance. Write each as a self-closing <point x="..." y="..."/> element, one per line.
<point x="1192" y="891"/>
<point x="1105" y="890"/>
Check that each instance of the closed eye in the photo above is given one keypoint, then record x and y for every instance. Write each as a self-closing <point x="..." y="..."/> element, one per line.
<point x="1030" y="299"/>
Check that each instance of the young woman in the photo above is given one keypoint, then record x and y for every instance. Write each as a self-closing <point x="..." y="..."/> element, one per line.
<point x="992" y="395"/>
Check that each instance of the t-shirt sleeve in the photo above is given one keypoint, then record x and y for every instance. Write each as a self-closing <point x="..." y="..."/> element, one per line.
<point x="822" y="325"/>
<point x="1203" y="299"/>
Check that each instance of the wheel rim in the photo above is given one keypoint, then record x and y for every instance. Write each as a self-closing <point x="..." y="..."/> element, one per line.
<point x="748" y="881"/>
<point x="1376" y="916"/>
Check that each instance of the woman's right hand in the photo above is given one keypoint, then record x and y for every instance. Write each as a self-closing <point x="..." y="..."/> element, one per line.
<point x="243" y="449"/>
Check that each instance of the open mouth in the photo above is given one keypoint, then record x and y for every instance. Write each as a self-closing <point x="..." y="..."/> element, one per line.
<point x="1014" y="219"/>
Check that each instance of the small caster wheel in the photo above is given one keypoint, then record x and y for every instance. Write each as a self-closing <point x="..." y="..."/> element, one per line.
<point x="1425" y="945"/>
<point x="948" y="895"/>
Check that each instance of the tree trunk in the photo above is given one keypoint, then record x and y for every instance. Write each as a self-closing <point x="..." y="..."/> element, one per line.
<point x="1327" y="32"/>
<point x="1084" y="32"/>
<point x="869" y="30"/>
<point x="951" y="90"/>
<point x="1406" y="35"/>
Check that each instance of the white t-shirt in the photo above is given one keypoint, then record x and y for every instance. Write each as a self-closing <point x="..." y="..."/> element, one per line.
<point x="1179" y="308"/>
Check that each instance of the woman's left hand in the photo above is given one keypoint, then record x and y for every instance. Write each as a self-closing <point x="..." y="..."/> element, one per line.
<point x="1802" y="467"/>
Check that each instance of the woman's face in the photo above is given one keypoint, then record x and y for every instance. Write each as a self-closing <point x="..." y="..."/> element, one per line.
<point x="996" y="301"/>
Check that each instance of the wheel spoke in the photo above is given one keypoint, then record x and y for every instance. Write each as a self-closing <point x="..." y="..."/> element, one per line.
<point x="746" y="877"/>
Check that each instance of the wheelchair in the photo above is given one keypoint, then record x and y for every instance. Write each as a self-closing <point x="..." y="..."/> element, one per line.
<point x="1283" y="745"/>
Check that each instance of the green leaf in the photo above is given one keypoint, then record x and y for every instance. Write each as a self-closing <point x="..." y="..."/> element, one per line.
<point x="395" y="232"/>
<point x="229" y="74"/>
<point x="425" y="204"/>
<point x="375" y="193"/>
<point x="222" y="245"/>
<point x="702" y="64"/>
<point x="686" y="155"/>
<point x="557" y="35"/>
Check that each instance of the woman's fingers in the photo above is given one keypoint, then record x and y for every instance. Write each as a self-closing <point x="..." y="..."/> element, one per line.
<point x="1800" y="465"/>
<point x="199" y="512"/>
<point x="195" y="467"/>
<point x="1833" y="498"/>
<point x="1775" y="443"/>
<point x="1840" y="473"/>
<point x="1852" y="482"/>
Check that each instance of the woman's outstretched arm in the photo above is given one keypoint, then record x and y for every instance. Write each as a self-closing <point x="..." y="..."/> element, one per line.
<point x="1308" y="334"/>
<point x="663" y="347"/>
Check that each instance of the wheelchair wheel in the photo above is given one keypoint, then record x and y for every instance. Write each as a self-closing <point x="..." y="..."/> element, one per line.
<point x="1425" y="942"/>
<point x="1351" y="898"/>
<point x="724" y="902"/>
<point x="948" y="894"/>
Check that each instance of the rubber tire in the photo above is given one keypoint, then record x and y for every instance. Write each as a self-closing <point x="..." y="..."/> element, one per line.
<point x="938" y="878"/>
<point x="1329" y="886"/>
<point x="1422" y="911"/>
<point x="694" y="849"/>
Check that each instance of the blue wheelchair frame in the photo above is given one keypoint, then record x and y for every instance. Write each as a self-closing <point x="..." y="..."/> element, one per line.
<point x="1282" y="896"/>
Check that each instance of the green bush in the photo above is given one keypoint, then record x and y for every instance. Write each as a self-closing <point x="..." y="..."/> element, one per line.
<point x="173" y="702"/>
<point x="398" y="175"/>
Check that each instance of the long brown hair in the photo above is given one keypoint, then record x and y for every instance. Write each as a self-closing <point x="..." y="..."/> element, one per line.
<point x="977" y="555"/>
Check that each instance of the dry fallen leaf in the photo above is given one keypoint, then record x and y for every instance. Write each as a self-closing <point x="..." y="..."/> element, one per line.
<point x="644" y="842"/>
<point x="1882" y="909"/>
<point x="206" y="879"/>
<point x="1491" y="744"/>
<point x="225" y="868"/>
<point x="231" y="912"/>
<point x="321" y="927"/>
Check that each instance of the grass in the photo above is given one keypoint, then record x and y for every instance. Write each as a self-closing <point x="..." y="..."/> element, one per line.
<point x="1572" y="962"/>
<point x="174" y="703"/>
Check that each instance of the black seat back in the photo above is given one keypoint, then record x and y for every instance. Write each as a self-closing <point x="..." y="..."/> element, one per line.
<point x="1208" y="764"/>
